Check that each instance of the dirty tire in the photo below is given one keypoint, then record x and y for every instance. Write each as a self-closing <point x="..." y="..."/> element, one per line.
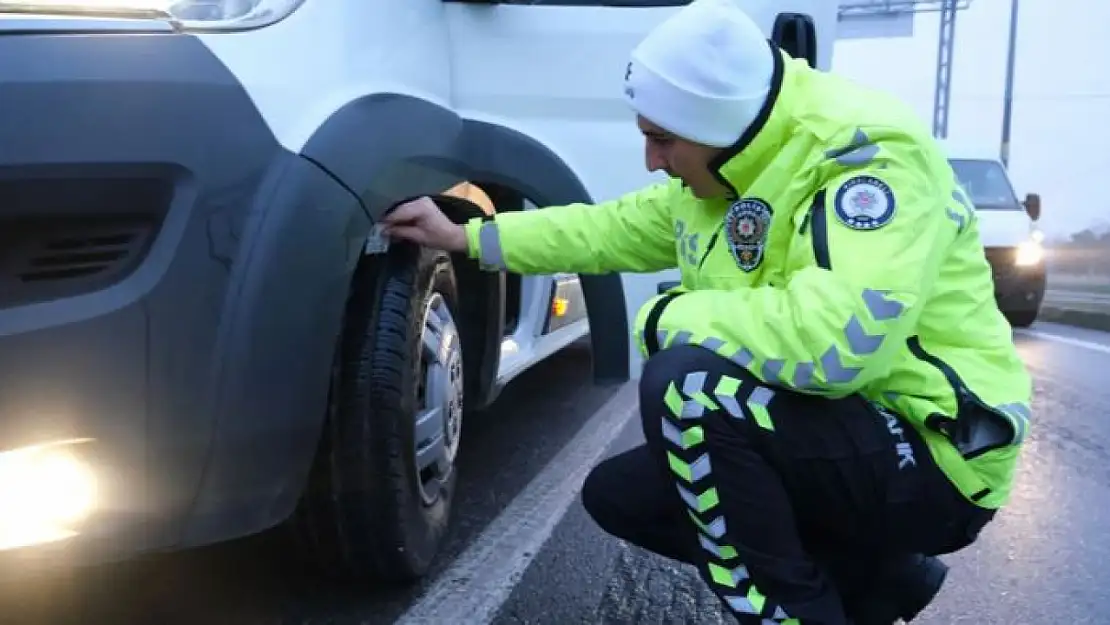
<point x="363" y="515"/>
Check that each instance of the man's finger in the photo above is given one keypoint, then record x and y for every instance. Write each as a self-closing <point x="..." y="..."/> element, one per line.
<point x="408" y="233"/>
<point x="405" y="212"/>
<point x="395" y="216"/>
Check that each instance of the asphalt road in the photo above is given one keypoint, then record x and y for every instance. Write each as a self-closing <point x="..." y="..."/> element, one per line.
<point x="524" y="552"/>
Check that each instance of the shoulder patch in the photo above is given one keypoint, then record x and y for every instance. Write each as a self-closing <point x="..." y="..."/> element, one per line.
<point x="865" y="203"/>
<point x="746" y="225"/>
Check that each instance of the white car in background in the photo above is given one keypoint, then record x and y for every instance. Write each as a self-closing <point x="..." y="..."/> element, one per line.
<point x="1008" y="228"/>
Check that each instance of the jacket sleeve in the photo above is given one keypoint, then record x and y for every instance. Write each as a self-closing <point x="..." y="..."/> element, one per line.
<point x="832" y="329"/>
<point x="632" y="233"/>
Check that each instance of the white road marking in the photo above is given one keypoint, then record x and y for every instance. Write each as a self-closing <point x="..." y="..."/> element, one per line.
<point x="476" y="585"/>
<point x="1067" y="340"/>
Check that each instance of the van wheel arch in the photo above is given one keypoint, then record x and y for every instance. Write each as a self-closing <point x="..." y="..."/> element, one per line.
<point x="386" y="147"/>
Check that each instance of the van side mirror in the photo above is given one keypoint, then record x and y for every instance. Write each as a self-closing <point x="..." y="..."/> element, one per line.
<point x="1032" y="205"/>
<point x="796" y="34"/>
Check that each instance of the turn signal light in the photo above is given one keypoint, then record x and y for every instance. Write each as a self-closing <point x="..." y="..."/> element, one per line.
<point x="559" y="306"/>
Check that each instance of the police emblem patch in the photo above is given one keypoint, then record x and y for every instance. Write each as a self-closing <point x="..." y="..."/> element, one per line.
<point x="865" y="203"/>
<point x="746" y="226"/>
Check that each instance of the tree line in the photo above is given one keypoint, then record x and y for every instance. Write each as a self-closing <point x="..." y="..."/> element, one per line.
<point x="1086" y="252"/>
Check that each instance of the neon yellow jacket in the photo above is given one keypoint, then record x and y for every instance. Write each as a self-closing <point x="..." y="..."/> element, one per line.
<point x="850" y="263"/>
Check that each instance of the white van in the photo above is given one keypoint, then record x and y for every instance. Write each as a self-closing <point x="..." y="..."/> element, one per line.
<point x="199" y="338"/>
<point x="1008" y="229"/>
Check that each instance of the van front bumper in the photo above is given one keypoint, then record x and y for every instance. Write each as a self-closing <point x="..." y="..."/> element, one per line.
<point x="1017" y="286"/>
<point x="171" y="285"/>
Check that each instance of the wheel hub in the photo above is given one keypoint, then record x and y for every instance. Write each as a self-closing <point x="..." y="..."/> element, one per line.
<point x="438" y="419"/>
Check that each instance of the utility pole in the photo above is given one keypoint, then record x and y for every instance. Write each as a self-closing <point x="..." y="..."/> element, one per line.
<point x="1008" y="101"/>
<point x="942" y="94"/>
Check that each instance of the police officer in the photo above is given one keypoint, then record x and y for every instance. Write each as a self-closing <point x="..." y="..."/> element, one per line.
<point x="830" y="397"/>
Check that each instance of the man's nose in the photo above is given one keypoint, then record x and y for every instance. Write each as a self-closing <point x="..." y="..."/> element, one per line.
<point x="655" y="160"/>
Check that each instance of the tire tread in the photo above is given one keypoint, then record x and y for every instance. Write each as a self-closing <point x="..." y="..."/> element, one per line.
<point x="363" y="517"/>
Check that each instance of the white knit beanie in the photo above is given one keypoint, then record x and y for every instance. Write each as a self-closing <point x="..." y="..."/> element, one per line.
<point x="703" y="74"/>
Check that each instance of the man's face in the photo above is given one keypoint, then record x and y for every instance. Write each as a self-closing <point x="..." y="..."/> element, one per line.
<point x="680" y="158"/>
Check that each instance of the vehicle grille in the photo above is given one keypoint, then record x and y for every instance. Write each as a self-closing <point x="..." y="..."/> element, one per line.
<point x="42" y="260"/>
<point x="66" y="237"/>
<point x="80" y="253"/>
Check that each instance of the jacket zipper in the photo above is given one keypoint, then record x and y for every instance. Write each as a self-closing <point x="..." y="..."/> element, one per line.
<point x="709" y="248"/>
<point x="816" y="220"/>
<point x="958" y="386"/>
<point x="941" y="423"/>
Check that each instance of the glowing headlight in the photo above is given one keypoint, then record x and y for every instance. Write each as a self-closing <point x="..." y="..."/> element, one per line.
<point x="191" y="14"/>
<point x="1029" y="253"/>
<point x="45" y="490"/>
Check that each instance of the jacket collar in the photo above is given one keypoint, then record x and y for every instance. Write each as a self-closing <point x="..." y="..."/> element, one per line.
<point x="738" y="165"/>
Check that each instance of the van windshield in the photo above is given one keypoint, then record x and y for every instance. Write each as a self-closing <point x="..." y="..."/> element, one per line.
<point x="986" y="184"/>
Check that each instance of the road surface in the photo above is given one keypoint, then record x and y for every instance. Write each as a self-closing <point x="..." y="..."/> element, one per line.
<point x="524" y="552"/>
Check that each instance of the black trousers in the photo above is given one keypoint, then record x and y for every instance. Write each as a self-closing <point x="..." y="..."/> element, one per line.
<point x="786" y="502"/>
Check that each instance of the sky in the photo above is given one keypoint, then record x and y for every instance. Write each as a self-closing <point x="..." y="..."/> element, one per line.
<point x="1060" y="135"/>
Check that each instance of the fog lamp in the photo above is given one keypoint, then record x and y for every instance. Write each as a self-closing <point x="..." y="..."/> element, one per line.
<point x="45" y="492"/>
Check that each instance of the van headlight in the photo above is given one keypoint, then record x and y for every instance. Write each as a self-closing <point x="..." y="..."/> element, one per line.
<point x="46" y="491"/>
<point x="1030" y="252"/>
<point x="197" y="15"/>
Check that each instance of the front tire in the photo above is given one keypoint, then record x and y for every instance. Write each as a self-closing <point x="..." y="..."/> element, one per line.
<point x="379" y="499"/>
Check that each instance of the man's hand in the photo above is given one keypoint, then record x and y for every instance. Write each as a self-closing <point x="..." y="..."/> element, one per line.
<point x="421" y="222"/>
